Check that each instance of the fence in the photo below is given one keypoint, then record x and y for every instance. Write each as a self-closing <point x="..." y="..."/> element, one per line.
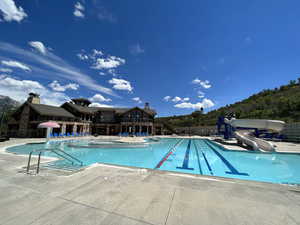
<point x="201" y="131"/>
<point x="292" y="132"/>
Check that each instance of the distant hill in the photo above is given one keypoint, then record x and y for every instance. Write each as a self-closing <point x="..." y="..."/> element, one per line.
<point x="281" y="103"/>
<point x="7" y="104"/>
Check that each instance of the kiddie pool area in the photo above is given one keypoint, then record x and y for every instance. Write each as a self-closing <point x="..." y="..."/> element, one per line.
<point x="194" y="156"/>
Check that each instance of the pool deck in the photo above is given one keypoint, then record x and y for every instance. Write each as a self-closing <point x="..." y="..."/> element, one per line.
<point x="104" y="194"/>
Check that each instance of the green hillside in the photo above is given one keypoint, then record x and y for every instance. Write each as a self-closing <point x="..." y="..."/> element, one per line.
<point x="281" y="103"/>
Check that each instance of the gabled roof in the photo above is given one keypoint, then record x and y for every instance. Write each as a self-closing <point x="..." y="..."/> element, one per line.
<point x="48" y="110"/>
<point x="148" y="111"/>
<point x="91" y="110"/>
<point x="81" y="109"/>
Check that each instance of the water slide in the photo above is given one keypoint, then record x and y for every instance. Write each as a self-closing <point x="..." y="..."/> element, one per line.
<point x="247" y="136"/>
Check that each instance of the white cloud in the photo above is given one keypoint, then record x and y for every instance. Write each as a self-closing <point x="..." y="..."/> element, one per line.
<point x="136" y="49"/>
<point x="99" y="98"/>
<point x="167" y="98"/>
<point x="53" y="66"/>
<point x="39" y="46"/>
<point x="96" y="104"/>
<point x="205" y="84"/>
<point x="56" y="86"/>
<point x="102" y="62"/>
<point x="6" y="70"/>
<point x="200" y="94"/>
<point x="82" y="56"/>
<point x="121" y="84"/>
<point x="19" y="89"/>
<point x="97" y="52"/>
<point x="206" y="103"/>
<point x="78" y="13"/>
<point x="137" y="99"/>
<point x="109" y="62"/>
<point x="11" y="12"/>
<point x="102" y="73"/>
<point x="79" y="6"/>
<point x="176" y="99"/>
<point x="112" y="72"/>
<point x="185" y="99"/>
<point x="15" y="64"/>
<point x="78" y="10"/>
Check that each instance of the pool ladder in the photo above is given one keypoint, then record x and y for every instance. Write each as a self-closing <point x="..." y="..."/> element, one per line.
<point x="58" y="152"/>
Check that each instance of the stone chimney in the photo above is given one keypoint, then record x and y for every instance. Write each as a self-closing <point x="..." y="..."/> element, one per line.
<point x="147" y="106"/>
<point x="34" y="98"/>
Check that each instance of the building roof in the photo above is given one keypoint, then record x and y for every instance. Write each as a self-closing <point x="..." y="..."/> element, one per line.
<point x="81" y="109"/>
<point x="91" y="110"/>
<point x="124" y="110"/>
<point x="48" y="110"/>
<point x="83" y="100"/>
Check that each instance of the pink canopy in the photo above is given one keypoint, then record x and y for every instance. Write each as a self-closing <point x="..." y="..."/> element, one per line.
<point x="49" y="124"/>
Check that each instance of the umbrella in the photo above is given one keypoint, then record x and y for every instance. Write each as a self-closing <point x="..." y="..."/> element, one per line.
<point x="49" y="125"/>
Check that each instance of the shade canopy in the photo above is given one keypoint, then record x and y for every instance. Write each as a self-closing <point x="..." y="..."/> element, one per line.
<point x="49" y="124"/>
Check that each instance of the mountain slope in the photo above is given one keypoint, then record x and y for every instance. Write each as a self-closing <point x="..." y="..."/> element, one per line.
<point x="281" y="103"/>
<point x="7" y="104"/>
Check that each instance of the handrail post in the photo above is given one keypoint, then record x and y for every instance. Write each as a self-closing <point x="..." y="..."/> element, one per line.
<point x="38" y="165"/>
<point x="28" y="164"/>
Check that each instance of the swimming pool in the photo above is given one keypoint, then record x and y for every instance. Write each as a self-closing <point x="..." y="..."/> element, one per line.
<point x="194" y="156"/>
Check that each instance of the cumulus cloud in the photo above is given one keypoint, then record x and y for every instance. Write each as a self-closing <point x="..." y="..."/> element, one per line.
<point x="96" y="104"/>
<point x="185" y="99"/>
<point x="15" y="64"/>
<point x="137" y="99"/>
<point x="6" y="70"/>
<point x="109" y="62"/>
<point x="100" y="61"/>
<point x="19" y="89"/>
<point x="205" y="84"/>
<point x="121" y="84"/>
<point x="176" y="99"/>
<point x="167" y="98"/>
<point x="200" y="94"/>
<point x="206" y="103"/>
<point x="136" y="49"/>
<point x="112" y="71"/>
<point x="11" y="12"/>
<point x="99" y="98"/>
<point x="79" y="10"/>
<point x="56" y="86"/>
<point x="82" y="56"/>
<point x="97" y="52"/>
<point x="39" y="46"/>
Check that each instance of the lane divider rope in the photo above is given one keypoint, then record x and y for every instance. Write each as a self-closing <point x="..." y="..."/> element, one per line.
<point x="168" y="154"/>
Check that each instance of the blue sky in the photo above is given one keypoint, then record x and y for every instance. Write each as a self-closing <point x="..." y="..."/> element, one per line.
<point x="177" y="55"/>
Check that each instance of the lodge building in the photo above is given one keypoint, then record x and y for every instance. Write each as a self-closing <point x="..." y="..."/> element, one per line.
<point x="77" y="117"/>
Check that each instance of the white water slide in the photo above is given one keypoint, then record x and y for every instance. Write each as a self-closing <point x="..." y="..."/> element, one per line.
<point x="247" y="136"/>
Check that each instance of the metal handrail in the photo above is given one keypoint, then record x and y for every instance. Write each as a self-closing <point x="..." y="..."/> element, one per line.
<point x="50" y="150"/>
<point x="62" y="156"/>
<point x="72" y="157"/>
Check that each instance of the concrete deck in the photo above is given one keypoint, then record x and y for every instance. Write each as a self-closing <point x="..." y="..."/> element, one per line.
<point x="120" y="195"/>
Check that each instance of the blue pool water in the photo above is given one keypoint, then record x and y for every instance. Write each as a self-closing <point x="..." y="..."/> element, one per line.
<point x="195" y="156"/>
